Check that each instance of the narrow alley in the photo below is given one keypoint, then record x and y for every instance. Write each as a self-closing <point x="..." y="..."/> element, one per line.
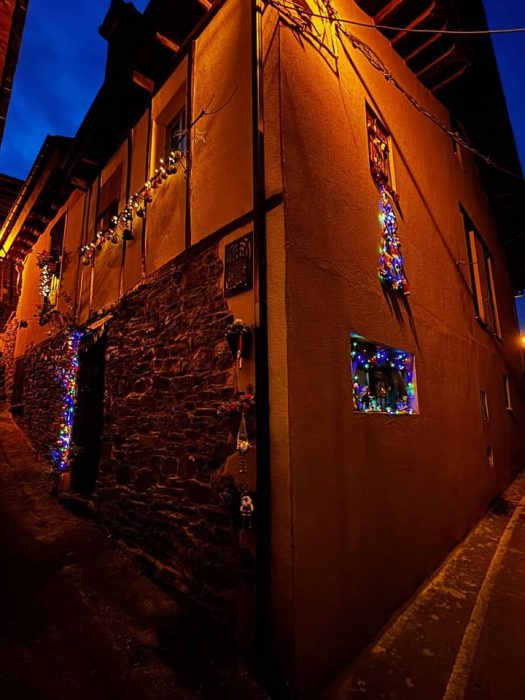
<point x="463" y="635"/>
<point x="77" y="618"/>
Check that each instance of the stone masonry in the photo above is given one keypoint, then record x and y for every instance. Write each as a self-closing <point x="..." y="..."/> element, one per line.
<point x="161" y="488"/>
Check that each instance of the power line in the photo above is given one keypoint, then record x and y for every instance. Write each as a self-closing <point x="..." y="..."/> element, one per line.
<point x="407" y="30"/>
<point x="376" y="62"/>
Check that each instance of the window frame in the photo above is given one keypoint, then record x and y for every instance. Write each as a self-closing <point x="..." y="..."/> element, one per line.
<point x="56" y="253"/>
<point x="388" y="160"/>
<point x="484" y="404"/>
<point x="507" y="393"/>
<point x="487" y="315"/>
<point x="180" y="121"/>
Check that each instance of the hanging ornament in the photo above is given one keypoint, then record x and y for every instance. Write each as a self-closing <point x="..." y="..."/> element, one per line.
<point x="239" y="339"/>
<point x="243" y="445"/>
<point x="247" y="510"/>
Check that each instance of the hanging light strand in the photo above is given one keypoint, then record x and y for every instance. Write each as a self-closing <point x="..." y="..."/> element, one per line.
<point x="287" y="8"/>
<point x="66" y="375"/>
<point x="136" y="206"/>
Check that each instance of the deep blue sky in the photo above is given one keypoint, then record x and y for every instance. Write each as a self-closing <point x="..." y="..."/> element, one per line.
<point x="61" y="67"/>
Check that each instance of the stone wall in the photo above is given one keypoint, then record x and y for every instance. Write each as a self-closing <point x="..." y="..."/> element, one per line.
<point x="8" y="355"/>
<point x="161" y="488"/>
<point x="43" y="394"/>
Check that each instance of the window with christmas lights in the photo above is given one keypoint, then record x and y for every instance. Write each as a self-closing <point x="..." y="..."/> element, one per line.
<point x="482" y="271"/>
<point x="383" y="378"/>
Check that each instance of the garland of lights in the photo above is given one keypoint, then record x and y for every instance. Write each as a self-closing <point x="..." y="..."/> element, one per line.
<point x="391" y="263"/>
<point x="136" y="206"/>
<point x="47" y="263"/>
<point x="67" y="377"/>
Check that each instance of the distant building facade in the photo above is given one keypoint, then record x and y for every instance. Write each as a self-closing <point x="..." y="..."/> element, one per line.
<point x="266" y="318"/>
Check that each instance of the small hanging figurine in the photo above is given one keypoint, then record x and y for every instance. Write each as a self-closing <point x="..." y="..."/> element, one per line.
<point x="246" y="509"/>
<point x="243" y="445"/>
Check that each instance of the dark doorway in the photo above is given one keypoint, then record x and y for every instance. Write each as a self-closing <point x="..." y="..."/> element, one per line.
<point x="88" y="423"/>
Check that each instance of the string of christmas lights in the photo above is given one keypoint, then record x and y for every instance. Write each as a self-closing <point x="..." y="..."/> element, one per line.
<point x="47" y="263"/>
<point x="287" y="8"/>
<point x="66" y="374"/>
<point x="136" y="206"/>
<point x="391" y="263"/>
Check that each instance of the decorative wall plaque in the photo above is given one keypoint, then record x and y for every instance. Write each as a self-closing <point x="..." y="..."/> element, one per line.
<point x="238" y="267"/>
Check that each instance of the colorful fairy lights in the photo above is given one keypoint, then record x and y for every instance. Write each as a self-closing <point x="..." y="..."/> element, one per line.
<point x="67" y="376"/>
<point x="136" y="206"/>
<point x="391" y="263"/>
<point x="383" y="379"/>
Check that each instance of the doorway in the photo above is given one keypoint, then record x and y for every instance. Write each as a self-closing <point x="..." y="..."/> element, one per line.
<point x="89" y="415"/>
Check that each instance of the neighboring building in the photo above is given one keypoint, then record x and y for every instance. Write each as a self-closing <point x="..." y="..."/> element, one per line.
<point x="12" y="20"/>
<point x="286" y="139"/>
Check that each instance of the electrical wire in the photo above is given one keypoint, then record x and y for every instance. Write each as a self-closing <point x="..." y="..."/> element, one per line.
<point x="413" y="30"/>
<point x="376" y="62"/>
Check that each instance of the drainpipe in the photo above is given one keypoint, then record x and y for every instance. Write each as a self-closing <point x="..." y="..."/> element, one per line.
<point x="263" y="626"/>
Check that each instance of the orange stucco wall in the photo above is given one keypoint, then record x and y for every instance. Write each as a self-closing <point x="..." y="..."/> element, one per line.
<point x="220" y="144"/>
<point x="378" y="501"/>
<point x="30" y="297"/>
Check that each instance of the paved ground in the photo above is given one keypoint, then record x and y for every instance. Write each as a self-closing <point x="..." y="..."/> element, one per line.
<point x="463" y="637"/>
<point x="77" y="619"/>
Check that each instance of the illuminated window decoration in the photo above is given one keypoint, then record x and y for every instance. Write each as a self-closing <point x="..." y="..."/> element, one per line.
<point x="66" y="375"/>
<point x="383" y="378"/>
<point x="391" y="263"/>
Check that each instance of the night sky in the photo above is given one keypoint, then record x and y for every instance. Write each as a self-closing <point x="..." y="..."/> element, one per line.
<point x="61" y="68"/>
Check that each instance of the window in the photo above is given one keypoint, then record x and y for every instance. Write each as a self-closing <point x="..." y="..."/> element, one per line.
<point x="108" y="200"/>
<point x="379" y="151"/>
<point x="506" y="393"/>
<point x="176" y="137"/>
<point x="482" y="279"/>
<point x="55" y="256"/>
<point x="484" y="406"/>
<point x="383" y="378"/>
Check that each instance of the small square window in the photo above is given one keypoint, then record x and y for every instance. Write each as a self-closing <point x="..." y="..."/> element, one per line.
<point x="383" y="378"/>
